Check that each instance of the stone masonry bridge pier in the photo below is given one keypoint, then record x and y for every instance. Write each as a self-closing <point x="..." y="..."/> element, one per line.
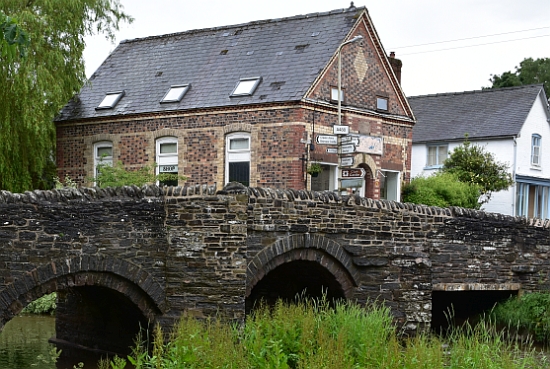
<point x="123" y="257"/>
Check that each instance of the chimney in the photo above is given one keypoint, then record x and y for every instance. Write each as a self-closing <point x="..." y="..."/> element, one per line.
<point x="396" y="65"/>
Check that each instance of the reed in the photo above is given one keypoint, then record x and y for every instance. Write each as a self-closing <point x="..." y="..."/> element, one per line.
<point x="316" y="334"/>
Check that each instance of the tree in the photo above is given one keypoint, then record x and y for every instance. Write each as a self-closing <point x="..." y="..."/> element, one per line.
<point x="473" y="164"/>
<point x="14" y="41"/>
<point x="529" y="72"/>
<point x="443" y="190"/>
<point x="34" y="88"/>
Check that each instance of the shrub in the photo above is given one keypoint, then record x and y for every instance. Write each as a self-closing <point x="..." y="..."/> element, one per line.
<point x="44" y="305"/>
<point x="443" y="190"/>
<point x="531" y="311"/>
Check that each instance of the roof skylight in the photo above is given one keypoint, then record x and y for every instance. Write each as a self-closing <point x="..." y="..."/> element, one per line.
<point x="110" y="100"/>
<point x="175" y="93"/>
<point x="246" y="86"/>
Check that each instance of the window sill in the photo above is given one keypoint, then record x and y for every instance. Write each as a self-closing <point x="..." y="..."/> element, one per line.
<point x="431" y="167"/>
<point x="536" y="167"/>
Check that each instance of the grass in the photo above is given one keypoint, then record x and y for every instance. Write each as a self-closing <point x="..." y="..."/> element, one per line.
<point x="314" y="335"/>
<point x="529" y="312"/>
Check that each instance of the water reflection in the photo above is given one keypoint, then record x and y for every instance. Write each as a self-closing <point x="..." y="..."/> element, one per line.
<point x="24" y="342"/>
<point x="24" y="345"/>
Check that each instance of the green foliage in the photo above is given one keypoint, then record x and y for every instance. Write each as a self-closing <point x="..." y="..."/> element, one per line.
<point x="529" y="72"/>
<point x="443" y="190"/>
<point x="117" y="175"/>
<point x="314" y="168"/>
<point x="531" y="311"/>
<point x="47" y="360"/>
<point x="473" y="164"/>
<point x="44" y="305"/>
<point x="315" y="335"/>
<point x="67" y="183"/>
<point x="34" y="88"/>
<point x="14" y="41"/>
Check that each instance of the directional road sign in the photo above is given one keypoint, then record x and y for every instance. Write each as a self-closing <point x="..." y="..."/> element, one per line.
<point x="350" y="139"/>
<point x="327" y="140"/>
<point x="353" y="173"/>
<point x="346" y="161"/>
<point x="332" y="150"/>
<point x="347" y="149"/>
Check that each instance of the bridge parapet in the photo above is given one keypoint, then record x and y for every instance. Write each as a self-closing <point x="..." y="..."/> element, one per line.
<point x="203" y="251"/>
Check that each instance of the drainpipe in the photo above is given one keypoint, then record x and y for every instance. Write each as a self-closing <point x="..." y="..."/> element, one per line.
<point x="514" y="171"/>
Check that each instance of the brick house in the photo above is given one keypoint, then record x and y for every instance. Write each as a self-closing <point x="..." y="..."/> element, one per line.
<point x="244" y="103"/>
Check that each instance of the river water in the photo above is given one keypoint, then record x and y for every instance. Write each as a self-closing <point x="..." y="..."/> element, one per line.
<point x="24" y="345"/>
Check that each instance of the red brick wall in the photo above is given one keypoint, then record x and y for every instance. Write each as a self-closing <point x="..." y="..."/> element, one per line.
<point x="278" y="132"/>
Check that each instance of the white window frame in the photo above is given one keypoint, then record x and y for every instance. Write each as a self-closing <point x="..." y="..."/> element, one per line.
<point x="173" y="95"/>
<point x="536" y="150"/>
<point x="99" y="159"/>
<point x="237" y="155"/>
<point x="382" y="100"/>
<point x="438" y="162"/>
<point x="246" y="86"/>
<point x="167" y="159"/>
<point x="334" y="94"/>
<point x="110" y="100"/>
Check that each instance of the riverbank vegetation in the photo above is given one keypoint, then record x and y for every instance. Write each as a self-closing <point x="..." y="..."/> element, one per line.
<point x="44" y="305"/>
<point x="315" y="335"/>
<point x="528" y="314"/>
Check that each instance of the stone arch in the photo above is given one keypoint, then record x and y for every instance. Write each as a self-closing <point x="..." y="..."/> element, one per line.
<point x="237" y="127"/>
<point x="119" y="275"/>
<point x="304" y="247"/>
<point x="166" y="132"/>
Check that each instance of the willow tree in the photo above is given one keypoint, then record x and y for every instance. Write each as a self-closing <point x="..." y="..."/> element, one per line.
<point x="35" y="84"/>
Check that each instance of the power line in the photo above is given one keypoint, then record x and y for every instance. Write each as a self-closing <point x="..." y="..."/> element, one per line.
<point x="470" y="38"/>
<point x="463" y="47"/>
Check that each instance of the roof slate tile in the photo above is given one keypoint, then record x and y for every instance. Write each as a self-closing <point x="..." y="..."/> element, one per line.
<point x="480" y="114"/>
<point x="194" y="57"/>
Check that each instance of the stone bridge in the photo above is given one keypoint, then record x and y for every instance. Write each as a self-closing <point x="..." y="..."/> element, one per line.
<point x="125" y="257"/>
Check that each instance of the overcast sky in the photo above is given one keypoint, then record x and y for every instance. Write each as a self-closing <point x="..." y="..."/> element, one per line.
<point x="505" y="32"/>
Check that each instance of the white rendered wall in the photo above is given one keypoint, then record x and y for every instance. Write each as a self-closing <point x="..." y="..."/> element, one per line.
<point x="536" y="123"/>
<point x="503" y="151"/>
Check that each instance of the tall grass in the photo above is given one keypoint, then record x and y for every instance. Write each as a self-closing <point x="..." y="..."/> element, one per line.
<point x="530" y="312"/>
<point x="315" y="335"/>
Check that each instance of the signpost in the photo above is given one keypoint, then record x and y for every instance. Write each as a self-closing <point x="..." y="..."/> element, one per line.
<point x="347" y="149"/>
<point x="340" y="130"/>
<point x="326" y="140"/>
<point x="353" y="173"/>
<point x="346" y="161"/>
<point x="332" y="150"/>
<point x="350" y="139"/>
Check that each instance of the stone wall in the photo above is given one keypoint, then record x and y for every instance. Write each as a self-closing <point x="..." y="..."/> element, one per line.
<point x="197" y="251"/>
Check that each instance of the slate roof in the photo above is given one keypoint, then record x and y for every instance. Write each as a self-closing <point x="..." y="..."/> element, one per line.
<point x="288" y="53"/>
<point x="482" y="114"/>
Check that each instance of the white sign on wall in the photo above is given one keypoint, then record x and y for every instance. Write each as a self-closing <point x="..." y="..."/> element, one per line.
<point x="370" y="145"/>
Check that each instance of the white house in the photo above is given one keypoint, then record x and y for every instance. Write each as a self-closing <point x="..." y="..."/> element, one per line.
<point x="512" y="123"/>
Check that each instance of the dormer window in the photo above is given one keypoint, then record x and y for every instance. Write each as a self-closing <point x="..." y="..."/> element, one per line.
<point x="175" y="93"/>
<point x="110" y="100"/>
<point x="382" y="103"/>
<point x="246" y="86"/>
